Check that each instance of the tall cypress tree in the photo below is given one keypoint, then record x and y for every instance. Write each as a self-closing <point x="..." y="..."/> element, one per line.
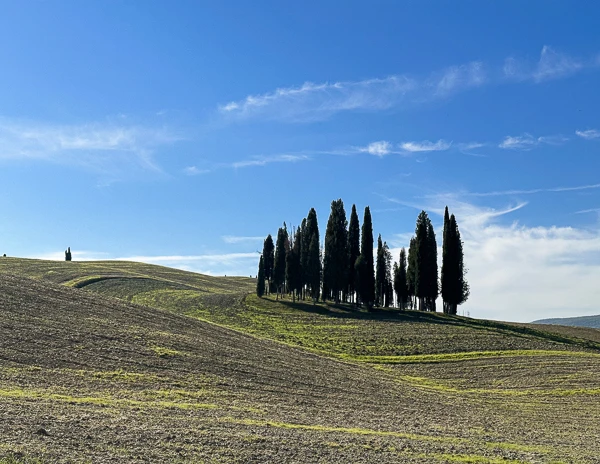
<point x="400" y="281"/>
<point x="310" y="228"/>
<point x="280" y="253"/>
<point x="314" y="267"/>
<point x="353" y="251"/>
<point x="389" y="287"/>
<point x="269" y="260"/>
<point x="433" y="281"/>
<point x="260" y="284"/>
<point x="380" y="274"/>
<point x="293" y="275"/>
<point x="366" y="268"/>
<point x="335" y="262"/>
<point x="411" y="273"/>
<point x="446" y="277"/>
<point x="426" y="272"/>
<point x="455" y="288"/>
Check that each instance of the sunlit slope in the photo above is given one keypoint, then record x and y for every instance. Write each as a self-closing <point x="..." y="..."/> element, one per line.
<point x="342" y="331"/>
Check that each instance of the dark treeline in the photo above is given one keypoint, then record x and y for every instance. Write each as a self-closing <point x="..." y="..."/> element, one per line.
<point x="346" y="270"/>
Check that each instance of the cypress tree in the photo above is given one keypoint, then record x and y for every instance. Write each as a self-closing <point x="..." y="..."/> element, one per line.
<point x="335" y="267"/>
<point x="446" y="277"/>
<point x="433" y="281"/>
<point x="361" y="279"/>
<point x="310" y="228"/>
<point x="400" y="281"/>
<point x="455" y="288"/>
<point x="280" y="253"/>
<point x="353" y="251"/>
<point x="314" y="267"/>
<point x="411" y="273"/>
<point x="389" y="287"/>
<point x="367" y="270"/>
<point x="293" y="275"/>
<point x="380" y="274"/>
<point x="260" y="284"/>
<point x="269" y="260"/>
<point x="426" y="272"/>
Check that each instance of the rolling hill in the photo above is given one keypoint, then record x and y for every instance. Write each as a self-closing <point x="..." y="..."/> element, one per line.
<point x="582" y="321"/>
<point x="115" y="362"/>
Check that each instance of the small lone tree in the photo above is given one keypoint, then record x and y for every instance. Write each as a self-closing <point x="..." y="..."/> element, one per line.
<point x="68" y="254"/>
<point x="260" y="284"/>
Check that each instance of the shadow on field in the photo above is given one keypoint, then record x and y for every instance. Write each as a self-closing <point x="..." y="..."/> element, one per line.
<point x="349" y="311"/>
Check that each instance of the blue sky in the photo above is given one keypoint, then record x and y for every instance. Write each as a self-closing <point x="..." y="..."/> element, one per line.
<point x="181" y="133"/>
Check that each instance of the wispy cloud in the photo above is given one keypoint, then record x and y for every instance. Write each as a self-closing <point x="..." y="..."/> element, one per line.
<point x="195" y="171"/>
<point x="425" y="145"/>
<point x="380" y="148"/>
<point x="98" y="146"/>
<point x="527" y="141"/>
<point x="587" y="211"/>
<point x="516" y="192"/>
<point x="588" y="134"/>
<point x="264" y="160"/>
<point x="240" y="239"/>
<point x="551" y="65"/>
<point x="459" y="77"/>
<point x="318" y="101"/>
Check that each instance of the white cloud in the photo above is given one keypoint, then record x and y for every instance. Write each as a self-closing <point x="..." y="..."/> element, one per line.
<point x="264" y="160"/>
<point x="459" y="77"/>
<point x="425" y="145"/>
<point x="551" y="65"/>
<point x="96" y="146"/>
<point x="318" y="101"/>
<point x="380" y="148"/>
<point x="521" y="273"/>
<point x="527" y="141"/>
<point x="194" y="171"/>
<point x="239" y="239"/>
<point x="588" y="134"/>
<point x="533" y="191"/>
<point x="522" y="142"/>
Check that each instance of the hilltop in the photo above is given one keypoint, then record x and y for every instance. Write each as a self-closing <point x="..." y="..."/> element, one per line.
<point x="202" y="372"/>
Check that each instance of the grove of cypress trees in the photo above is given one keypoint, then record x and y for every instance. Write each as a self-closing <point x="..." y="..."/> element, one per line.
<point x="335" y="267"/>
<point x="353" y="251"/>
<point x="269" y="260"/>
<point x="260" y="284"/>
<point x="365" y="267"/>
<point x="280" y="253"/>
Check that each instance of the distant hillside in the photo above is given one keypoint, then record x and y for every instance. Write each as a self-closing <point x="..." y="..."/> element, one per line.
<point x="583" y="321"/>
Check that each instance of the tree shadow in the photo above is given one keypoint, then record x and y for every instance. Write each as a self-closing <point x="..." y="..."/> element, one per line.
<point x="349" y="311"/>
